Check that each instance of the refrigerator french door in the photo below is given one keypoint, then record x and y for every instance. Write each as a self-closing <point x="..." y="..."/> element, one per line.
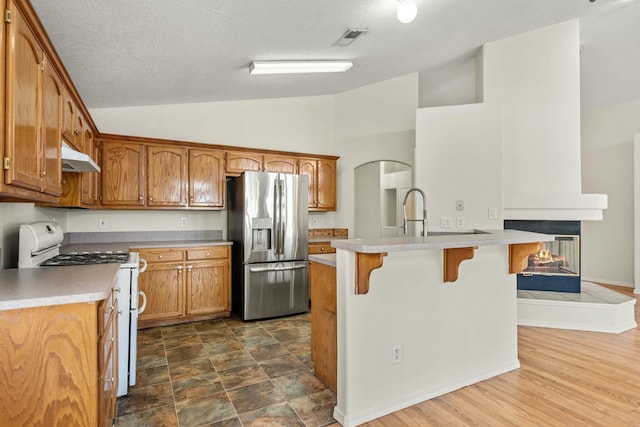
<point x="268" y="221"/>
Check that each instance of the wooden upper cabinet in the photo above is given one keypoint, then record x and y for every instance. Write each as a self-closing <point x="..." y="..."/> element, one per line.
<point x="68" y="118"/>
<point x="308" y="167"/>
<point x="240" y="161"/>
<point x="52" y="98"/>
<point x="89" y="186"/>
<point x="327" y="184"/>
<point x="206" y="178"/>
<point x="322" y="182"/>
<point x="280" y="163"/>
<point x="166" y="176"/>
<point x="122" y="175"/>
<point x="23" y="104"/>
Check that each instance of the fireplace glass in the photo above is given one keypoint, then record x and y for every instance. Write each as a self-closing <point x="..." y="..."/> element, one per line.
<point x="560" y="257"/>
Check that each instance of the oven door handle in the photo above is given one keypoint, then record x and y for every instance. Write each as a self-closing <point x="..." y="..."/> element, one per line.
<point x="144" y="301"/>
<point x="144" y="266"/>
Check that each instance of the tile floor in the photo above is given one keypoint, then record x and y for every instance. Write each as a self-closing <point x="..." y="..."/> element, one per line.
<point x="227" y="373"/>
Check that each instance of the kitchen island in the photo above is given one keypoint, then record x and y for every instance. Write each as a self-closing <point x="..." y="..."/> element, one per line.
<point x="418" y="317"/>
<point x="58" y="346"/>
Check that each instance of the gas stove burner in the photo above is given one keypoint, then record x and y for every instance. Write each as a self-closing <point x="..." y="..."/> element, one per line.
<point x="86" y="258"/>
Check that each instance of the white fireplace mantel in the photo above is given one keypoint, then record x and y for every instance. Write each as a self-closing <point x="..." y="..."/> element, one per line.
<point x="555" y="207"/>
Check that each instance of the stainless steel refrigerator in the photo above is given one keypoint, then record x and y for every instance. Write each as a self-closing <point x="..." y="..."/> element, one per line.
<point x="268" y="221"/>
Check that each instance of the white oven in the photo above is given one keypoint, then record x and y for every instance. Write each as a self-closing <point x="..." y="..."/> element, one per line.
<point x="39" y="246"/>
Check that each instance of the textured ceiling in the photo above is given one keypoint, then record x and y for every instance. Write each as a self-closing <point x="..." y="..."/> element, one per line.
<point x="123" y="52"/>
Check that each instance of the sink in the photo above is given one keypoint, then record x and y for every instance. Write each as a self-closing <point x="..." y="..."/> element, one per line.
<point x="455" y="233"/>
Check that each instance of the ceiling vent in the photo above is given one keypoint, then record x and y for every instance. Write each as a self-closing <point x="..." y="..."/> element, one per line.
<point x="349" y="36"/>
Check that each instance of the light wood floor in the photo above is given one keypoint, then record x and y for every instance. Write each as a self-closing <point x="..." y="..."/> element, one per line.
<point x="566" y="378"/>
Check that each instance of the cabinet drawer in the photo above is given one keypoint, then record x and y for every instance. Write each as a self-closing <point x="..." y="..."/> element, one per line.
<point x="160" y="255"/>
<point x="214" y="252"/>
<point x="321" y="248"/>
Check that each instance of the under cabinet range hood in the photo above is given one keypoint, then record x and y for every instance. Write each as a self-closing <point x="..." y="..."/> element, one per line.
<point x="75" y="161"/>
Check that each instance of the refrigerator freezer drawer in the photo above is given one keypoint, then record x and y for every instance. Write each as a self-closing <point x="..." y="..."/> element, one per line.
<point x="276" y="289"/>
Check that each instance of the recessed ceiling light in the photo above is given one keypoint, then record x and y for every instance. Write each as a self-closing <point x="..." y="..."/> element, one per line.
<point x="293" y="67"/>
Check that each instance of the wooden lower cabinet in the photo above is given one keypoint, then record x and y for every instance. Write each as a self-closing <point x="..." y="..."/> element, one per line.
<point x="58" y="365"/>
<point x="321" y="248"/>
<point x="324" y="347"/>
<point x="183" y="284"/>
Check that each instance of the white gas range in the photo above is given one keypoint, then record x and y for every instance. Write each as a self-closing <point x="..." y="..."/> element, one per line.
<point x="39" y="246"/>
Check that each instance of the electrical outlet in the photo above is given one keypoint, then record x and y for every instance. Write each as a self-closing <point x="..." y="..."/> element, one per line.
<point x="314" y="222"/>
<point x="445" y="222"/>
<point x="396" y="355"/>
<point x="102" y="222"/>
<point x="459" y="205"/>
<point x="183" y="221"/>
<point x="493" y="213"/>
<point x="460" y="222"/>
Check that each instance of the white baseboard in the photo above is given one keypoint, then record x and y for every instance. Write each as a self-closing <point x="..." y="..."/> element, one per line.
<point x="361" y="417"/>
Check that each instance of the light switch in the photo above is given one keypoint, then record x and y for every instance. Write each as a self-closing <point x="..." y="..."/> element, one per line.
<point x="460" y="222"/>
<point x="493" y="213"/>
<point x="445" y="222"/>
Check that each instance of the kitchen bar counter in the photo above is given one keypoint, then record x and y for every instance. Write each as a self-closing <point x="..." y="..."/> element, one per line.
<point x="437" y="240"/>
<point x="46" y="286"/>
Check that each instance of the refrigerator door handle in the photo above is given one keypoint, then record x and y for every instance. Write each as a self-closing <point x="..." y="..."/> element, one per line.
<point x="264" y="269"/>
<point x="281" y="185"/>
<point x="276" y="219"/>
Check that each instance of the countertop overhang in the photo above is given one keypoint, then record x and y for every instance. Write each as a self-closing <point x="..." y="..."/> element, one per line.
<point x="454" y="240"/>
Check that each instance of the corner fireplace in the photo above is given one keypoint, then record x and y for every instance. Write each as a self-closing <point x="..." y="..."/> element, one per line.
<point x="557" y="266"/>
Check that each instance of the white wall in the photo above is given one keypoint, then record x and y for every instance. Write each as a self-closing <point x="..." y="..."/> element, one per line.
<point x="607" y="167"/>
<point x="452" y="84"/>
<point x="459" y="157"/>
<point x="14" y="214"/>
<point x="375" y="122"/>
<point x="536" y="76"/>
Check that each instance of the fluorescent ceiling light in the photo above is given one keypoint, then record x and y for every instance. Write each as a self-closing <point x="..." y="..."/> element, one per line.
<point x="293" y="67"/>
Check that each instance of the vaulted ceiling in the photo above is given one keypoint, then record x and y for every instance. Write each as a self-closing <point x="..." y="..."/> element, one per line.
<point x="123" y="52"/>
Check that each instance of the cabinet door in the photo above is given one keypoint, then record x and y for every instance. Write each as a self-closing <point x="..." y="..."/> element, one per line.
<point x="122" y="174"/>
<point x="68" y="118"/>
<point x="308" y="167"/>
<point x="240" y="161"/>
<point x="52" y="98"/>
<point x="89" y="179"/>
<point x="166" y="176"/>
<point x="281" y="164"/>
<point x="206" y="178"/>
<point x="208" y="287"/>
<point x="327" y="185"/>
<point x="163" y="284"/>
<point x="23" y="104"/>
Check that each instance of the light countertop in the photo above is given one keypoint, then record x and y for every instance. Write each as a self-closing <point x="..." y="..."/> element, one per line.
<point x="434" y="241"/>
<point x="327" y="259"/>
<point x="45" y="286"/>
<point x="126" y="246"/>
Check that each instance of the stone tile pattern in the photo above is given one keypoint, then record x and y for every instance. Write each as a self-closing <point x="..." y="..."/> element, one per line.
<point x="227" y="373"/>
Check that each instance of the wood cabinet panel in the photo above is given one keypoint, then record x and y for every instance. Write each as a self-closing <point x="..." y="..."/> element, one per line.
<point x="308" y="167"/>
<point x="239" y="161"/>
<point x="207" y="182"/>
<point x="321" y="248"/>
<point x="166" y="176"/>
<point x="213" y="252"/>
<point x="59" y="365"/>
<point x="326" y="185"/>
<point x="122" y="174"/>
<point x="280" y="163"/>
<point x="52" y="97"/>
<point x="23" y="100"/>
<point x="208" y="287"/>
<point x="68" y="118"/>
<point x="183" y="284"/>
<point x="324" y="349"/>
<point x="163" y="284"/>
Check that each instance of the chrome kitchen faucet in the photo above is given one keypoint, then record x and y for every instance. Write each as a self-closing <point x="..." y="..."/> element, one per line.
<point x="424" y="212"/>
